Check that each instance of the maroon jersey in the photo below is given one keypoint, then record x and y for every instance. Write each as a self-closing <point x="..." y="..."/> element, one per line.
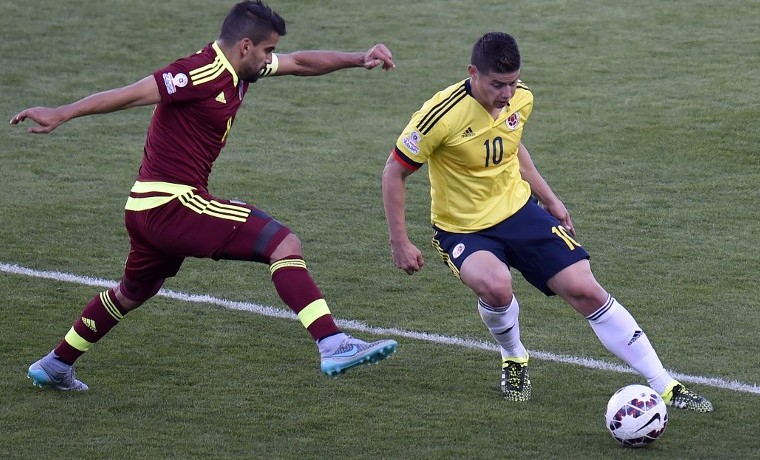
<point x="200" y="95"/>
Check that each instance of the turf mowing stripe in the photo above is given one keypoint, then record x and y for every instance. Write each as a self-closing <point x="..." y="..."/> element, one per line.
<point x="274" y="312"/>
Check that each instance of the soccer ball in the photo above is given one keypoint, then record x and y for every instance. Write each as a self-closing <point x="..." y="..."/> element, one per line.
<point x="636" y="415"/>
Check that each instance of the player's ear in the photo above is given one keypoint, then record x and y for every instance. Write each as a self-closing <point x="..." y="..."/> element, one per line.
<point x="472" y="70"/>
<point x="245" y="45"/>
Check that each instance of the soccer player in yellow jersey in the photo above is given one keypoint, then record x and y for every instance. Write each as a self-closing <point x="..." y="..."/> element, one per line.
<point x="492" y="211"/>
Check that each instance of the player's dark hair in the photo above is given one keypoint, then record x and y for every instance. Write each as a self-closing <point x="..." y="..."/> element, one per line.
<point x="253" y="20"/>
<point x="496" y="52"/>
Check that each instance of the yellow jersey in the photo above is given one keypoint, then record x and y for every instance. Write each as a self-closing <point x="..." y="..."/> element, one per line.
<point x="475" y="180"/>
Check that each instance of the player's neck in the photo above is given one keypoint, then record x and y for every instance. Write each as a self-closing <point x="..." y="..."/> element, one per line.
<point x="232" y="57"/>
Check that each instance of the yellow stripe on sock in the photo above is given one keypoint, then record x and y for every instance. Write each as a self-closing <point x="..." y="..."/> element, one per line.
<point x="76" y="341"/>
<point x="287" y="263"/>
<point x="313" y="312"/>
<point x="110" y="306"/>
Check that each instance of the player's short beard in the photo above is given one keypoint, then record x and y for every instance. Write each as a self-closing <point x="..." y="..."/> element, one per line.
<point x="249" y="75"/>
<point x="250" y="78"/>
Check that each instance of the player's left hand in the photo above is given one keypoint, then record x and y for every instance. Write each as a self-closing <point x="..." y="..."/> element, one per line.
<point x="377" y="55"/>
<point x="558" y="210"/>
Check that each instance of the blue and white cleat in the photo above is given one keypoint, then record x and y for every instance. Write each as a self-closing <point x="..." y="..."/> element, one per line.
<point x="354" y="352"/>
<point x="66" y="381"/>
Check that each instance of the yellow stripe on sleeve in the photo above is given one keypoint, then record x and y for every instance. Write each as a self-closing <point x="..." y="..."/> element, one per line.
<point x="200" y="79"/>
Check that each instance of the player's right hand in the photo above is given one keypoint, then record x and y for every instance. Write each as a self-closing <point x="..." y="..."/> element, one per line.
<point x="47" y="119"/>
<point x="407" y="257"/>
<point x="377" y="55"/>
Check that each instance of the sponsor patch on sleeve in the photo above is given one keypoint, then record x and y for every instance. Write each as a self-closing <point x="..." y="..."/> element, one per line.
<point x="168" y="81"/>
<point x="173" y="82"/>
<point x="412" y="142"/>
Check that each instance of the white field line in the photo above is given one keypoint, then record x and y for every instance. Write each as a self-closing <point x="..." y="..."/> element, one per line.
<point x="273" y="312"/>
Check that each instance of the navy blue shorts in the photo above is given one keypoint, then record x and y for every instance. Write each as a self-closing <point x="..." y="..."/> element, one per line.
<point x="531" y="241"/>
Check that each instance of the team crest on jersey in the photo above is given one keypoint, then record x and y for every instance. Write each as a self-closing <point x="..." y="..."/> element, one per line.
<point x="513" y="121"/>
<point x="458" y="250"/>
<point x="173" y="82"/>
<point x="412" y="142"/>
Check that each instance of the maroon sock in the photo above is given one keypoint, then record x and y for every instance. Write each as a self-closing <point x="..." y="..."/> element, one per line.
<point x="298" y="290"/>
<point x="98" y="317"/>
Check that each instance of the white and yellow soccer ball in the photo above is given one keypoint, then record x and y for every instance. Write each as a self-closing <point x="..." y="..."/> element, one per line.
<point x="636" y="415"/>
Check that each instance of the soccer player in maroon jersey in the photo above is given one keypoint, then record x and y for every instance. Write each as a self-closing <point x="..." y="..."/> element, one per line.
<point x="170" y="214"/>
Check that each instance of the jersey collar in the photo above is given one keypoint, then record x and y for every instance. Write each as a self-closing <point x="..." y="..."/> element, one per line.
<point x="508" y="110"/>
<point x="220" y="55"/>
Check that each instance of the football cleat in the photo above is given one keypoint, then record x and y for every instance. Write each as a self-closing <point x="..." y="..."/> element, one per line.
<point x="677" y="395"/>
<point x="43" y="377"/>
<point x="354" y="352"/>
<point x="515" y="382"/>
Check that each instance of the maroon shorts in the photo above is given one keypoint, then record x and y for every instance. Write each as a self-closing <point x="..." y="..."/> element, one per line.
<point x="196" y="224"/>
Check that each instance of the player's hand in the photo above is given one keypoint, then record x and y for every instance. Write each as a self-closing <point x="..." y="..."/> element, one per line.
<point x="377" y="55"/>
<point x="47" y="119"/>
<point x="407" y="257"/>
<point x="558" y="210"/>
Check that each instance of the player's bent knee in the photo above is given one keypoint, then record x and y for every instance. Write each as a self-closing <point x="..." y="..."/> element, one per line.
<point x="131" y="294"/>
<point x="586" y="299"/>
<point x="499" y="298"/>
<point x="289" y="246"/>
<point x="494" y="292"/>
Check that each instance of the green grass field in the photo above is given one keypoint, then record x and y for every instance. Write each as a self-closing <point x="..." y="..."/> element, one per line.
<point x="645" y="124"/>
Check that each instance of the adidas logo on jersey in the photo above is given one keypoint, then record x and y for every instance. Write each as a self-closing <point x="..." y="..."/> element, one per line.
<point x="468" y="132"/>
<point x="220" y="98"/>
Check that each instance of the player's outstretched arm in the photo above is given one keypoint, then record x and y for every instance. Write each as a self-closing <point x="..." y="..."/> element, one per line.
<point x="320" y="62"/>
<point x="143" y="92"/>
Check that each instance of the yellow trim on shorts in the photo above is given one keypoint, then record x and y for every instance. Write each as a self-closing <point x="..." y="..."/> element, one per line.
<point x="446" y="259"/>
<point x="76" y="340"/>
<point x="313" y="312"/>
<point x="143" y="204"/>
<point x="214" y="208"/>
<point x="187" y="197"/>
<point x="163" y="187"/>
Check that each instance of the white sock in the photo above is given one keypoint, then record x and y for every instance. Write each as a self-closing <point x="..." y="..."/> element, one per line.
<point x="329" y="344"/>
<point x="620" y="334"/>
<point x="504" y="326"/>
